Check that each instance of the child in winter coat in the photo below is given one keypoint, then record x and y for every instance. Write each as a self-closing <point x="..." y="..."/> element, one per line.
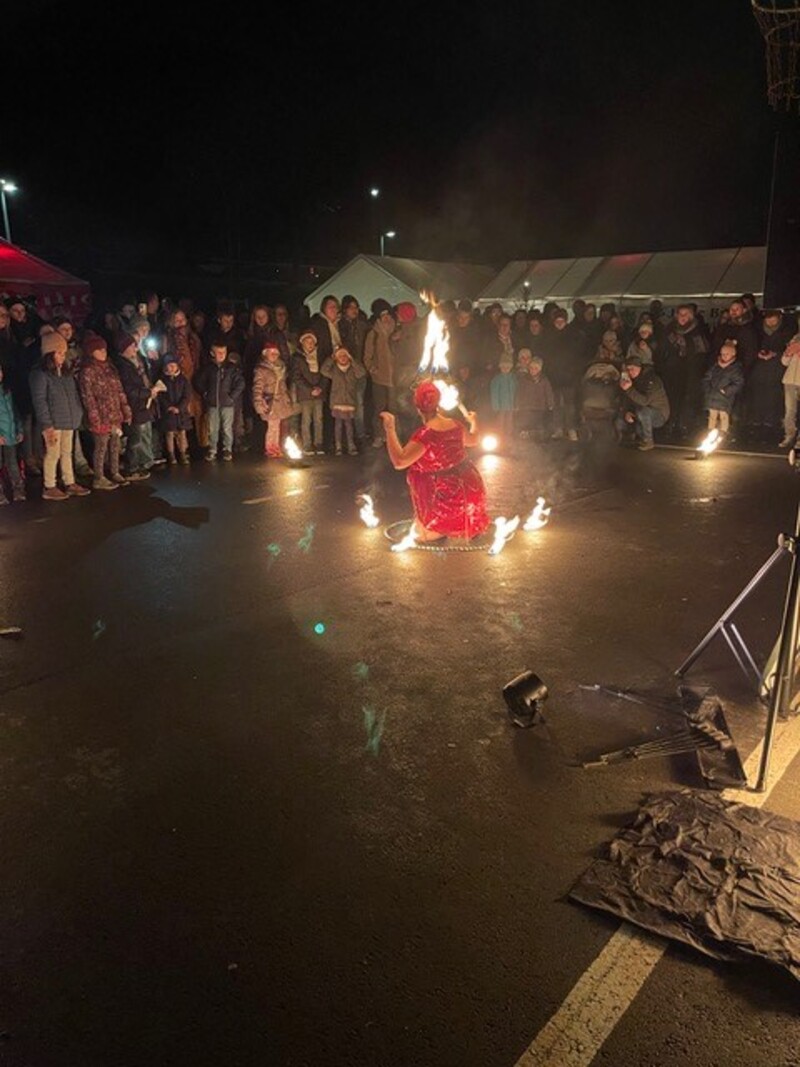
<point x="723" y="382"/>
<point x="220" y="383"/>
<point x="176" y="419"/>
<point x="107" y="410"/>
<point x="10" y="437"/>
<point x="534" y="399"/>
<point x="308" y="384"/>
<point x="503" y="391"/>
<point x="271" y="399"/>
<point x="58" y="409"/>
<point x="344" y="374"/>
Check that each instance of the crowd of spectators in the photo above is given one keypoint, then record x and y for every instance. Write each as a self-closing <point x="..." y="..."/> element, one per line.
<point x="150" y="383"/>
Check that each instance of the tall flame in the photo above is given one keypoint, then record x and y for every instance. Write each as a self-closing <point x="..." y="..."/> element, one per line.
<point x="367" y="512"/>
<point x="539" y="517"/>
<point x="292" y="449"/>
<point x="712" y="440"/>
<point x="437" y="344"/>
<point x="504" y="530"/>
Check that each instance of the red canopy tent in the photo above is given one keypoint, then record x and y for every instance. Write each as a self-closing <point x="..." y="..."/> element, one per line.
<point x="23" y="275"/>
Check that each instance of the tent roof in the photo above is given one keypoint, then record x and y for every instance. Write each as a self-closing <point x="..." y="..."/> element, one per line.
<point x="21" y="269"/>
<point x="705" y="274"/>
<point x="397" y="279"/>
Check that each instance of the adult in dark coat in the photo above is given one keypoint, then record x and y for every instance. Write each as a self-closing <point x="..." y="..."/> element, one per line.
<point x="644" y="401"/>
<point x="740" y="328"/>
<point x="681" y="364"/>
<point x="564" y="363"/>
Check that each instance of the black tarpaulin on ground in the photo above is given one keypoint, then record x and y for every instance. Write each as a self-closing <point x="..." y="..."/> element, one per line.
<point x="721" y="876"/>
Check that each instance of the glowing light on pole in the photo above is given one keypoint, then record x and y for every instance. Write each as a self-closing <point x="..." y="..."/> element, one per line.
<point x="6" y="187"/>
<point x="489" y="442"/>
<point x="539" y="517"/>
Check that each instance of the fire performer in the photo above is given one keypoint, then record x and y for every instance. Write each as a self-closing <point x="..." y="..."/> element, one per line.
<point x="446" y="489"/>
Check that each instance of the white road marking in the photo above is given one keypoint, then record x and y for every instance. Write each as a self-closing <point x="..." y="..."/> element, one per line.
<point x="605" y="991"/>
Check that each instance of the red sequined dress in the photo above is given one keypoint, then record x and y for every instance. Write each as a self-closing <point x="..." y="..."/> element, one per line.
<point x="447" y="491"/>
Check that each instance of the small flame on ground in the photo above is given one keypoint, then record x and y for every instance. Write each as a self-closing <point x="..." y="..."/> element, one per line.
<point x="539" y="517"/>
<point x="712" y="440"/>
<point x="292" y="449"/>
<point x="489" y="443"/>
<point x="504" y="529"/>
<point x="367" y="512"/>
<point x="407" y="542"/>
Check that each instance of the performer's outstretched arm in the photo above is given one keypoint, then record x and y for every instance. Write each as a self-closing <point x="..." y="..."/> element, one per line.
<point x="400" y="456"/>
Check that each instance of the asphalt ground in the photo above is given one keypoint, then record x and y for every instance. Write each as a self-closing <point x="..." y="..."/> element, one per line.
<point x="260" y="801"/>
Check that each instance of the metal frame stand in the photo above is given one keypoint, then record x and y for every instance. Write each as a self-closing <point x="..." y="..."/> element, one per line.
<point x="781" y="691"/>
<point x="728" y="629"/>
<point x="786" y="661"/>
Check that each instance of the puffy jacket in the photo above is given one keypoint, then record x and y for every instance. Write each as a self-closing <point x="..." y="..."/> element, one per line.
<point x="271" y="392"/>
<point x="103" y="396"/>
<point x="56" y="400"/>
<point x="722" y="385"/>
<point x="219" y="384"/>
<point x="9" y="427"/>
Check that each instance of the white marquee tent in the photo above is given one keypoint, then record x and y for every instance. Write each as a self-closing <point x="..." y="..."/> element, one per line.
<point x="397" y="280"/>
<point x="708" y="277"/>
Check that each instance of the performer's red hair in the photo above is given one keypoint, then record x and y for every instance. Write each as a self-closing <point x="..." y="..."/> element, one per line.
<point x="427" y="398"/>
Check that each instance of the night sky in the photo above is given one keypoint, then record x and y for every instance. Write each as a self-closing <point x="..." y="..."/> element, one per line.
<point x="152" y="134"/>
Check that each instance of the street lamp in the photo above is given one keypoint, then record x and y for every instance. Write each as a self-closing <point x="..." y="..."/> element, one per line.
<point x="374" y="193"/>
<point x="6" y="187"/>
<point x="389" y="233"/>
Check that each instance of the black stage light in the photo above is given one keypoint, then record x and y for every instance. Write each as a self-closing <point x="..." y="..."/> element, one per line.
<point x="524" y="696"/>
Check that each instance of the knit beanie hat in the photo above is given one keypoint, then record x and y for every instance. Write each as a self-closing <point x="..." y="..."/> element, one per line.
<point x="379" y="306"/>
<point x="124" y="342"/>
<point x="537" y="361"/>
<point x="92" y="343"/>
<point x="633" y="361"/>
<point x="53" y="342"/>
<point x="168" y="360"/>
